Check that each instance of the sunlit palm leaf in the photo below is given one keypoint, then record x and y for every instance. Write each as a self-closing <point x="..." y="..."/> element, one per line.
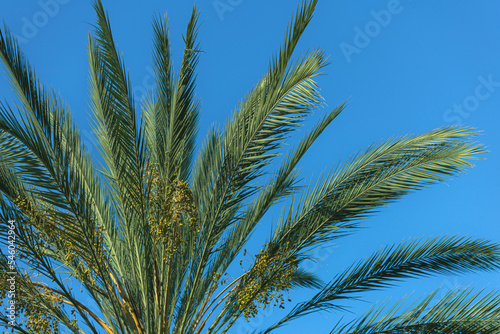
<point x="456" y="312"/>
<point x="392" y="264"/>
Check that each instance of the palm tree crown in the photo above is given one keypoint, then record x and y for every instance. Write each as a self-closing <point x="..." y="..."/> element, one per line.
<point x="150" y="230"/>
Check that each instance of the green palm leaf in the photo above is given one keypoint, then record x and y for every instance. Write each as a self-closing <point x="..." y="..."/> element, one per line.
<point x="392" y="264"/>
<point x="456" y="312"/>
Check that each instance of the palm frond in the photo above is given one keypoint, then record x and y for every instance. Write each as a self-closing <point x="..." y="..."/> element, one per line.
<point x="456" y="312"/>
<point x="44" y="143"/>
<point x="276" y="105"/>
<point x="282" y="184"/>
<point x="122" y="148"/>
<point x="116" y="125"/>
<point x="373" y="179"/>
<point x="412" y="259"/>
<point x="172" y="122"/>
<point x="46" y="135"/>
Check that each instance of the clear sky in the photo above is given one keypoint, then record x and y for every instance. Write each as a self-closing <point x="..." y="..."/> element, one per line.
<point x="406" y="67"/>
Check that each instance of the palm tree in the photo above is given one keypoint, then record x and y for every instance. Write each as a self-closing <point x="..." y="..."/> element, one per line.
<point x="150" y="231"/>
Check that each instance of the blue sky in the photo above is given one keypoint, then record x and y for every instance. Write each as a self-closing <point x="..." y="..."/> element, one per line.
<point x="406" y="67"/>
